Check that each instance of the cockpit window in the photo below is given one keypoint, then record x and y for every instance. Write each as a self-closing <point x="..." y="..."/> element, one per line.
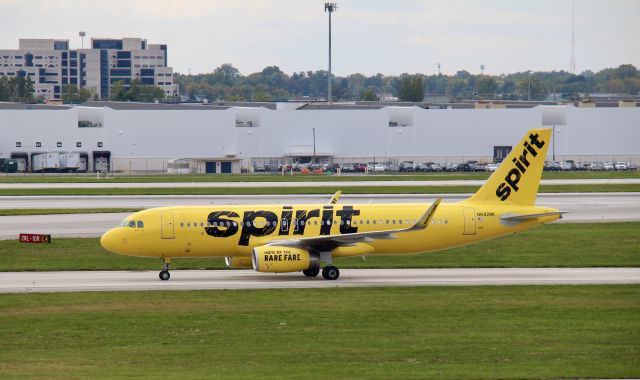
<point x="140" y="224"/>
<point x="132" y="224"/>
<point x="123" y="223"/>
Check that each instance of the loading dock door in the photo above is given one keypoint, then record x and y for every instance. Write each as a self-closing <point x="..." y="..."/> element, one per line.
<point x="210" y="167"/>
<point x="469" y="220"/>
<point x="166" y="226"/>
<point x="225" y="167"/>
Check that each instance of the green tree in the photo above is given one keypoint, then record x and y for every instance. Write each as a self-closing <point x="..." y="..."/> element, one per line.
<point x="71" y="94"/>
<point x="369" y="96"/>
<point x="486" y="86"/>
<point x="411" y="88"/>
<point x="118" y="92"/>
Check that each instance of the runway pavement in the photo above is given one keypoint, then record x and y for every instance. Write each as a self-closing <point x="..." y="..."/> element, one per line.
<point x="582" y="208"/>
<point x="27" y="282"/>
<point x="345" y="183"/>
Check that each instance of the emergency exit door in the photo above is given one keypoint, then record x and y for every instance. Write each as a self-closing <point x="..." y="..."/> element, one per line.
<point x="166" y="226"/>
<point x="469" y="220"/>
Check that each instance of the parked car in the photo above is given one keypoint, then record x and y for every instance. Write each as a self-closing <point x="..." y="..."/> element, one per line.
<point x="374" y="167"/>
<point x="422" y="167"/>
<point x="621" y="165"/>
<point x="596" y="166"/>
<point x="360" y="167"/>
<point x="433" y="167"/>
<point x="450" y="167"/>
<point x="407" y="167"/>
<point x="567" y="165"/>
<point x="552" y="166"/>
<point x="465" y="167"/>
<point x="348" y="168"/>
<point x="491" y="167"/>
<point x="608" y="166"/>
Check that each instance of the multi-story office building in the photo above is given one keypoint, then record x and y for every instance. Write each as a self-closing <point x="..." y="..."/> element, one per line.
<point x="51" y="64"/>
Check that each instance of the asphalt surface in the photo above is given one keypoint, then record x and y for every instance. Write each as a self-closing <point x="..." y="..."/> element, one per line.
<point x="27" y="282"/>
<point x="346" y="183"/>
<point x="582" y="208"/>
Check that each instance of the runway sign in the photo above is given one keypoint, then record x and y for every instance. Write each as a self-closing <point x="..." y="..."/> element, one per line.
<point x="35" y="238"/>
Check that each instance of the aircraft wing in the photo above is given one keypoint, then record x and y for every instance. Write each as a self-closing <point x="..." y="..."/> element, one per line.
<point x="330" y="242"/>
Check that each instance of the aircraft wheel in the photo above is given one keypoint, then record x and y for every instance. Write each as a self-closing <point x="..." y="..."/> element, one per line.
<point x="164" y="275"/>
<point x="330" y="273"/>
<point x="311" y="272"/>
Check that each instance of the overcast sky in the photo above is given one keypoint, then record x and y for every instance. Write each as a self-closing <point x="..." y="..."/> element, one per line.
<point x="370" y="36"/>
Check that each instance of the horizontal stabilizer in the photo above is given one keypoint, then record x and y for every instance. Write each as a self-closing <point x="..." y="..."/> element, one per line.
<point x="522" y="218"/>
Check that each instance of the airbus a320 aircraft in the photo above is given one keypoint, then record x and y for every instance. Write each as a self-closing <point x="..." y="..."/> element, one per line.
<point x="306" y="237"/>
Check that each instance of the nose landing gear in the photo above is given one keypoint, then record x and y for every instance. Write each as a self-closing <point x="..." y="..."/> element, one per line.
<point x="164" y="273"/>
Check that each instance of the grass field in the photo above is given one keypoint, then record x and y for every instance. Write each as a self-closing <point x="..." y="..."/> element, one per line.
<point x="312" y="190"/>
<point x="50" y="211"/>
<point x="365" y="333"/>
<point x="119" y="178"/>
<point x="556" y="245"/>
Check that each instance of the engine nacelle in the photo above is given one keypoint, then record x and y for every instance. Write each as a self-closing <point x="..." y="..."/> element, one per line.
<point x="277" y="259"/>
<point x="238" y="262"/>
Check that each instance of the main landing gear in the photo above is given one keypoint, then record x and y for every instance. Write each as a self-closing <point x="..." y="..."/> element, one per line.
<point x="329" y="272"/>
<point x="164" y="273"/>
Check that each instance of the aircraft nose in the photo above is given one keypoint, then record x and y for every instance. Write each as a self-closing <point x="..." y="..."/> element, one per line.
<point x="109" y="241"/>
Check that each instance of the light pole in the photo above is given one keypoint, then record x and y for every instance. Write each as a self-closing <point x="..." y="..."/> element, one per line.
<point x="314" y="145"/>
<point x="82" y="34"/>
<point x="330" y="7"/>
<point x="529" y="97"/>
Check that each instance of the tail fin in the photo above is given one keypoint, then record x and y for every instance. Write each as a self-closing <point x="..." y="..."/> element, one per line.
<point x="516" y="180"/>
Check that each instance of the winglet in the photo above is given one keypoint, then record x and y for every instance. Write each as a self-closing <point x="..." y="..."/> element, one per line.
<point x="426" y="218"/>
<point x="335" y="197"/>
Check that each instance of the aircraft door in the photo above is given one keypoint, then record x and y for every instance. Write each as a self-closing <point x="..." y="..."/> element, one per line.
<point x="167" y="230"/>
<point x="469" y="220"/>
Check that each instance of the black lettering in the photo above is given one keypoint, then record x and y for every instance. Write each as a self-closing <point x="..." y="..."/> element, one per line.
<point x="346" y="219"/>
<point x="327" y="220"/>
<point x="249" y="227"/>
<point x="530" y="149"/>
<point x="217" y="224"/>
<point x="518" y="164"/>
<point x="513" y="182"/>
<point x="302" y="216"/>
<point x="534" y="140"/>
<point x="503" y="191"/>
<point x="523" y="159"/>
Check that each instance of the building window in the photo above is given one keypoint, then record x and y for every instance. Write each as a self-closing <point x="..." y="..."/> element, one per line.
<point x="38" y="144"/>
<point x="78" y="144"/>
<point x="18" y="144"/>
<point x="59" y="144"/>
<point x="99" y="144"/>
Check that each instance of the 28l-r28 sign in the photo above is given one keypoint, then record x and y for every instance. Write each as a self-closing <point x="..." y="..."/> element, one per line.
<point x="35" y="238"/>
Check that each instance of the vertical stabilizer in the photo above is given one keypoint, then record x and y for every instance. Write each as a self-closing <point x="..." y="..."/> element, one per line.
<point x="517" y="179"/>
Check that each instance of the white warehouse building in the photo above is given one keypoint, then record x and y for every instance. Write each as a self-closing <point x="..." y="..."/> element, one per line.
<point x="225" y="138"/>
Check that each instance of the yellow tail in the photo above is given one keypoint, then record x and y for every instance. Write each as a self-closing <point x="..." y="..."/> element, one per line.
<point x="517" y="179"/>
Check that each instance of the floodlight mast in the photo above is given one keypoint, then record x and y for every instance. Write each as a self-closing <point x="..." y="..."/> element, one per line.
<point x="82" y="34"/>
<point x="330" y="7"/>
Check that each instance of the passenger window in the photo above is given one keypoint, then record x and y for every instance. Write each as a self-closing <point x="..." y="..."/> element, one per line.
<point x="181" y="224"/>
<point x="132" y="224"/>
<point x="201" y="224"/>
<point x="188" y="224"/>
<point x="140" y="224"/>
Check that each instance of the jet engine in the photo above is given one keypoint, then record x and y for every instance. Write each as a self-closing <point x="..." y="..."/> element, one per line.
<point x="238" y="262"/>
<point x="277" y="259"/>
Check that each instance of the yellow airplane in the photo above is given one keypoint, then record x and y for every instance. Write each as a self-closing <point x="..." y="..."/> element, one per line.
<point x="306" y="237"/>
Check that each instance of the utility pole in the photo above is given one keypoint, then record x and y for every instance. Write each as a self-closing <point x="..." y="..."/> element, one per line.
<point x="529" y="97"/>
<point x="330" y="7"/>
<point x="82" y="34"/>
<point x="314" y="145"/>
